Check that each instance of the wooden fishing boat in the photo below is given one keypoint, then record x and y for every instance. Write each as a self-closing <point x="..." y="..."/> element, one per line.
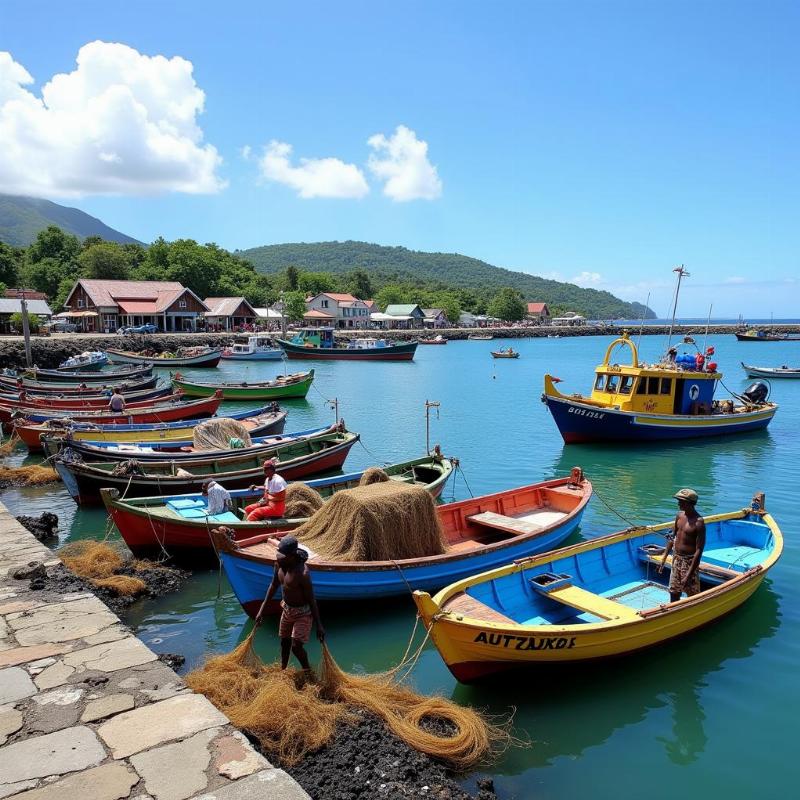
<point x="205" y="358"/>
<point x="89" y="361"/>
<point x="78" y="401"/>
<point x="673" y="399"/>
<point x="439" y="339"/>
<point x="509" y="353"/>
<point x="282" y="387"/>
<point x="319" y="343"/>
<point x="125" y="385"/>
<point x="483" y="533"/>
<point x="182" y="452"/>
<point x="254" y="348"/>
<point x="760" y="335"/>
<point x="257" y="421"/>
<point x="480" y="337"/>
<point x="771" y="372"/>
<point x="603" y="597"/>
<point x="172" y="412"/>
<point x="180" y="523"/>
<point x="238" y="471"/>
<point x="73" y="378"/>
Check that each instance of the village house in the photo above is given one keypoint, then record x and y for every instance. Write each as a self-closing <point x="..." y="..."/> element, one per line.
<point x="435" y="318"/>
<point x="336" y="309"/>
<point x="229" y="313"/>
<point x="105" y="305"/>
<point x="570" y="320"/>
<point x="400" y="315"/>
<point x="28" y="293"/>
<point x="13" y="305"/>
<point x="538" y="312"/>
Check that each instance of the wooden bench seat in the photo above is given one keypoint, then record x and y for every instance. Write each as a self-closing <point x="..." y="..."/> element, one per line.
<point x="602" y="607"/>
<point x="462" y="603"/>
<point x="711" y="570"/>
<point x="500" y="522"/>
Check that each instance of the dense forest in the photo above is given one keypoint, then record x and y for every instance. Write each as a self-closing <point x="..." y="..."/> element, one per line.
<point x="442" y="271"/>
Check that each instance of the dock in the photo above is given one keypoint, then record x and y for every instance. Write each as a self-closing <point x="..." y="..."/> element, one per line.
<point x="88" y="711"/>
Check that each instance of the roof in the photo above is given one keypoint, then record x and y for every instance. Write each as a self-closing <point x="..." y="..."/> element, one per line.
<point x="538" y="308"/>
<point x="314" y="314"/>
<point x="381" y="317"/>
<point x="225" y="306"/>
<point x="29" y="294"/>
<point x="351" y="303"/>
<point x="341" y="297"/>
<point x="12" y="305"/>
<point x="400" y="310"/>
<point x="370" y="304"/>
<point x="433" y="312"/>
<point x="268" y="313"/>
<point x="108" y="293"/>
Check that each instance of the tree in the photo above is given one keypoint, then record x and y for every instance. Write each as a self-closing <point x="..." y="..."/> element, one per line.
<point x="312" y="283"/>
<point x="291" y="275"/>
<point x="391" y="294"/>
<point x="53" y="243"/>
<point x="449" y="303"/>
<point x="91" y="241"/>
<point x="10" y="260"/>
<point x="33" y="321"/>
<point x="46" y="275"/>
<point x="193" y="265"/>
<point x="294" y="306"/>
<point x="106" y="260"/>
<point x="62" y="292"/>
<point x="359" y="284"/>
<point x="507" y="305"/>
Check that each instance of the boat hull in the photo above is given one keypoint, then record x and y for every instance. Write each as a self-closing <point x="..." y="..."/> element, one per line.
<point x="209" y="359"/>
<point x="770" y="372"/>
<point x="581" y="422"/>
<point x="270" y="355"/>
<point x="61" y="376"/>
<point x="399" y="352"/>
<point x="769" y="337"/>
<point x="76" y="402"/>
<point x="295" y="389"/>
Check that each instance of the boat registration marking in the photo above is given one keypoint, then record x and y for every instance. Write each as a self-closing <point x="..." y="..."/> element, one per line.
<point x="511" y="642"/>
<point x="585" y="412"/>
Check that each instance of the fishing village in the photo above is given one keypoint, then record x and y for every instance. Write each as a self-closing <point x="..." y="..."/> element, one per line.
<point x="312" y="515"/>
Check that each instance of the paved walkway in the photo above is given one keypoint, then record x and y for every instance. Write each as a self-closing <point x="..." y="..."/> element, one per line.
<point x="87" y="711"/>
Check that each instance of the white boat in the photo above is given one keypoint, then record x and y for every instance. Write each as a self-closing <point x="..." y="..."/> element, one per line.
<point x="88" y="360"/>
<point x="771" y="372"/>
<point x="256" y="348"/>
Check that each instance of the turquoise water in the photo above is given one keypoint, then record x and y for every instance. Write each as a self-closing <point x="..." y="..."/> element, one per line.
<point x="714" y="712"/>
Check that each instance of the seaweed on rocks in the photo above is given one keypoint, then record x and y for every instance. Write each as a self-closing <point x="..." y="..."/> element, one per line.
<point x="42" y="527"/>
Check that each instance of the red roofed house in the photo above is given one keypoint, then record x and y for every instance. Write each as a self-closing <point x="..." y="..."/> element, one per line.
<point x="337" y="310"/>
<point x="538" y="312"/>
<point x="228" y="313"/>
<point x="117" y="304"/>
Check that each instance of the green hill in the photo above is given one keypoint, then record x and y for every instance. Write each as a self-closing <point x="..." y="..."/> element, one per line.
<point x="21" y="218"/>
<point x="390" y="264"/>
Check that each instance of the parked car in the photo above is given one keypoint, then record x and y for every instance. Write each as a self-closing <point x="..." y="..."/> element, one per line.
<point x="148" y="327"/>
<point x="61" y="326"/>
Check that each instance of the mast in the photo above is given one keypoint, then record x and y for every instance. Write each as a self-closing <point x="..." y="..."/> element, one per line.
<point x="708" y="322"/>
<point x="682" y="273"/>
<point x="641" y="324"/>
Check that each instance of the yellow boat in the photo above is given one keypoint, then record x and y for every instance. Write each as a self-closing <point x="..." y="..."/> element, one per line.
<point x="600" y="598"/>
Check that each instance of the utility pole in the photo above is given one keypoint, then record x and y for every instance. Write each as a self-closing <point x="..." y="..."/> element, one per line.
<point x="26" y="329"/>
<point x="429" y="404"/>
<point x="283" y="318"/>
<point x="682" y="273"/>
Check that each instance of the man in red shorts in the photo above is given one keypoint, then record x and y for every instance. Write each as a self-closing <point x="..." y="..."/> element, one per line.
<point x="298" y="606"/>
<point x="273" y="503"/>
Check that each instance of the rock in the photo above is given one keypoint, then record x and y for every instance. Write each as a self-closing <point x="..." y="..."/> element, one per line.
<point x="146" y="727"/>
<point x="264" y="784"/>
<point x="172" y="660"/>
<point x="33" y="569"/>
<point x="69" y="750"/>
<point x="61" y="622"/>
<point x="235" y="757"/>
<point x="15" y="684"/>
<point x="42" y="527"/>
<point x="10" y="723"/>
<point x="108" y="782"/>
<point x="107" y="706"/>
<point x="54" y="675"/>
<point x="21" y="655"/>
<point x="111" y="656"/>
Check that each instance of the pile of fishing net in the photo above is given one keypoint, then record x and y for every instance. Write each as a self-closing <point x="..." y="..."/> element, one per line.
<point x="382" y="521"/>
<point x="292" y="713"/>
<point x="372" y="475"/>
<point x="7" y="447"/>
<point x="302" y="501"/>
<point x="33" y="475"/>
<point x="217" y="433"/>
<point x="98" y="562"/>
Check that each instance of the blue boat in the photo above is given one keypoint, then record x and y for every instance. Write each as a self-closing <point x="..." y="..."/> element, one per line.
<point x="481" y="533"/>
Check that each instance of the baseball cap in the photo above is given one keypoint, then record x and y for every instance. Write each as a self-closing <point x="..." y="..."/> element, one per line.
<point x="287" y="546"/>
<point x="690" y="495"/>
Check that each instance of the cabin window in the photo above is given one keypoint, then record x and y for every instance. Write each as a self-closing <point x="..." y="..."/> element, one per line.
<point x="613" y="383"/>
<point x="323" y="303"/>
<point x="626" y="384"/>
<point x="600" y="382"/>
<point x="666" y="386"/>
<point x="641" y="386"/>
<point x="80" y="303"/>
<point x="652" y="385"/>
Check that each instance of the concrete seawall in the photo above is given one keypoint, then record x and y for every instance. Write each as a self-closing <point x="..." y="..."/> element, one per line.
<point x="87" y="711"/>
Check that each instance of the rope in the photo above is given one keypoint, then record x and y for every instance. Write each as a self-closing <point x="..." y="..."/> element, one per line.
<point x="466" y="482"/>
<point x="614" y="510"/>
<point x="371" y="454"/>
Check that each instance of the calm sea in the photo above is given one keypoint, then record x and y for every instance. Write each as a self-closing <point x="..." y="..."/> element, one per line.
<point x="715" y="713"/>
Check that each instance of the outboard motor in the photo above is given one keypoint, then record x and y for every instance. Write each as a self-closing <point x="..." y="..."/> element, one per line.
<point x="756" y="393"/>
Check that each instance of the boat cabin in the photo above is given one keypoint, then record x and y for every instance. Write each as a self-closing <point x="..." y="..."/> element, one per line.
<point x="253" y="344"/>
<point x="673" y="387"/>
<point x="314" y="337"/>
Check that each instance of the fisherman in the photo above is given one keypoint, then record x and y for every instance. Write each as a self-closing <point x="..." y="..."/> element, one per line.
<point x="298" y="606"/>
<point x="688" y="540"/>
<point x="218" y="498"/>
<point x="273" y="503"/>
<point x="117" y="401"/>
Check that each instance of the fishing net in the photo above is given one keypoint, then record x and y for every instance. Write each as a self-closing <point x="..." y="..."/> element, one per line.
<point x="122" y="585"/>
<point x="302" y="501"/>
<point x="373" y="475"/>
<point x="291" y="713"/>
<point x="7" y="447"/>
<point x="216" y="434"/>
<point x="33" y="475"/>
<point x="380" y="522"/>
<point x="90" y="560"/>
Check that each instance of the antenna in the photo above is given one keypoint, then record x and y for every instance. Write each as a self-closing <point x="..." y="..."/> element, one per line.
<point x="334" y="404"/>
<point x="429" y="404"/>
<point x="682" y="273"/>
<point x="641" y="324"/>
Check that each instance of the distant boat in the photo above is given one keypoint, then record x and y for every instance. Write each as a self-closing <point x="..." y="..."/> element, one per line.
<point x="439" y="339"/>
<point x="196" y="357"/>
<point x="771" y="372"/>
<point x="760" y="335"/>
<point x="282" y="387"/>
<point x="319" y="343"/>
<point x="90" y="360"/>
<point x="510" y="353"/>
<point x="480" y="337"/>
<point x="255" y="348"/>
<point x="69" y="378"/>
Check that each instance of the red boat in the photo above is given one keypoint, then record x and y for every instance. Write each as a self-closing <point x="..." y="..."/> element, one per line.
<point x="95" y="403"/>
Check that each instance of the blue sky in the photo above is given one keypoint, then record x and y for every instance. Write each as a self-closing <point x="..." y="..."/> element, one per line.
<point x="603" y="141"/>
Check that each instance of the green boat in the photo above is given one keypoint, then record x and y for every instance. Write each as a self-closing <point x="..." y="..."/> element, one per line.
<point x="284" y="386"/>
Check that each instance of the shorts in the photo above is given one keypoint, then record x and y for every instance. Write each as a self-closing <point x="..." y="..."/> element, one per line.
<point x="295" y="623"/>
<point x="256" y="512"/>
<point x="680" y="569"/>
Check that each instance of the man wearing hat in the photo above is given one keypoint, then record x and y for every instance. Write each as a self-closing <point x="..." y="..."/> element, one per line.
<point x="688" y="540"/>
<point x="298" y="606"/>
<point x="273" y="503"/>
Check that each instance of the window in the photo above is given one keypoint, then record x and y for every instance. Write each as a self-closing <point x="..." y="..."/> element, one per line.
<point x="181" y="303"/>
<point x="652" y="385"/>
<point x="626" y="385"/>
<point x="613" y="383"/>
<point x="666" y="386"/>
<point x="641" y="387"/>
<point x="598" y="384"/>
<point x="80" y="302"/>
<point x="323" y="303"/>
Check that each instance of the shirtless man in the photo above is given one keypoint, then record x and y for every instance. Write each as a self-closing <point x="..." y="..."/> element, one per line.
<point x="299" y="608"/>
<point x="688" y="540"/>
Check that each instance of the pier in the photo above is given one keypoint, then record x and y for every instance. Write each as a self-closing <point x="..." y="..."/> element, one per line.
<point x="88" y="711"/>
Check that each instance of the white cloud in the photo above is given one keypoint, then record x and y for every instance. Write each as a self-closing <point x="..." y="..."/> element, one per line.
<point x="314" y="177"/>
<point x="246" y="152"/>
<point x="586" y="279"/>
<point x="120" y="123"/>
<point x="401" y="160"/>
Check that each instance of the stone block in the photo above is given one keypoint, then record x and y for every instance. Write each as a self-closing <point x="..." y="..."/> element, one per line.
<point x="265" y="785"/>
<point x="146" y="727"/>
<point x="61" y="622"/>
<point x="54" y="675"/>
<point x="10" y="722"/>
<point x="111" y="656"/>
<point x="22" y="655"/>
<point x="106" y="707"/>
<point x="234" y="757"/>
<point x="15" y="684"/>
<point x="108" y="782"/>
